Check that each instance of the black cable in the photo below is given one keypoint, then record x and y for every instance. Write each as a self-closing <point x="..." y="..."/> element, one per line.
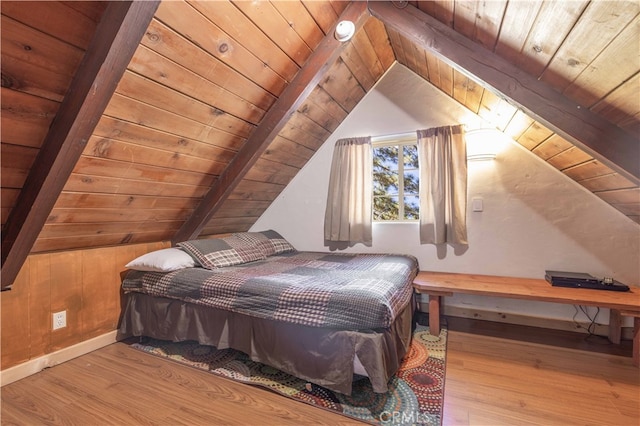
<point x="592" y="324"/>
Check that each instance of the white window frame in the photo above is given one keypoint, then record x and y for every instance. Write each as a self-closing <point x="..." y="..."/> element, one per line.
<point x="398" y="140"/>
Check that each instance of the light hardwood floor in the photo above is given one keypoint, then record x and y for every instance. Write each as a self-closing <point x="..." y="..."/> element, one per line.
<point x="495" y="376"/>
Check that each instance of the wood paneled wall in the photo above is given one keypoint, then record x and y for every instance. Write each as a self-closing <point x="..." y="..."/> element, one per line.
<point x="85" y="283"/>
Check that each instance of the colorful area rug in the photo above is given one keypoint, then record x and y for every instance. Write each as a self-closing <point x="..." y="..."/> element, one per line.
<point x="415" y="394"/>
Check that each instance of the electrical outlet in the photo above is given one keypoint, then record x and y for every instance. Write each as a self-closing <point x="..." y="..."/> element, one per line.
<point x="59" y="320"/>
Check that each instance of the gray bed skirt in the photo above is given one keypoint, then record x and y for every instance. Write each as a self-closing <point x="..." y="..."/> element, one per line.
<point x="321" y="356"/>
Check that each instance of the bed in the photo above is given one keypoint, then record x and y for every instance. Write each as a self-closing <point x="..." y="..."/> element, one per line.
<point x="322" y="317"/>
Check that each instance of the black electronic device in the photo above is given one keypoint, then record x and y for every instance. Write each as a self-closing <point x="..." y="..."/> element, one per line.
<point x="582" y="280"/>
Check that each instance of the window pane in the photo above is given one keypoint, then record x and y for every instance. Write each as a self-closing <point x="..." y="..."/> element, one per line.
<point x="410" y="156"/>
<point x="385" y="208"/>
<point x="411" y="207"/>
<point x="395" y="182"/>
<point x="385" y="158"/>
<point x="411" y="180"/>
<point x="385" y="182"/>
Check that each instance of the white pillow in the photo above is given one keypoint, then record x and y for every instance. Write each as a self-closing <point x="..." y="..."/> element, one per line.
<point x="165" y="260"/>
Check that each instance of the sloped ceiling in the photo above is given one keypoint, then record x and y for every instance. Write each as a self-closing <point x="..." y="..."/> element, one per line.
<point x="112" y="134"/>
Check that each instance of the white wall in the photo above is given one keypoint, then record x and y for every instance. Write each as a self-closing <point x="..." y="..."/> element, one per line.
<point x="534" y="217"/>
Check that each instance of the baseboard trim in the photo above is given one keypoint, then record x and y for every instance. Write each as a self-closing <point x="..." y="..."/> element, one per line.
<point x="36" y="365"/>
<point x="508" y="318"/>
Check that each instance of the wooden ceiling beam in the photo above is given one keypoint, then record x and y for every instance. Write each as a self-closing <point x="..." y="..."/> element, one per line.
<point x="600" y="138"/>
<point x="273" y="122"/>
<point x="116" y="39"/>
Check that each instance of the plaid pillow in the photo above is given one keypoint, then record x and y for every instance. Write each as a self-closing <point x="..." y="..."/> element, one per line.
<point x="269" y="242"/>
<point x="221" y="252"/>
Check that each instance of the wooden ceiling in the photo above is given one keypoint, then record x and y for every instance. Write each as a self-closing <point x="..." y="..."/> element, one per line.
<point x="217" y="105"/>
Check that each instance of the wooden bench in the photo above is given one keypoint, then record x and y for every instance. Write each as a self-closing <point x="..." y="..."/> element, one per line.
<point x="439" y="284"/>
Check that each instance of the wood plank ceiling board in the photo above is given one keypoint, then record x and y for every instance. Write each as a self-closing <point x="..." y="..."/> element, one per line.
<point x="100" y="166"/>
<point x="180" y="51"/>
<point x="629" y="195"/>
<point x="342" y="86"/>
<point x="108" y="53"/>
<point x="396" y="44"/>
<point x="442" y="10"/>
<point x="588" y="170"/>
<point x="553" y="23"/>
<point x="17" y="160"/>
<point x="146" y="91"/>
<point x="551" y="146"/>
<point x="275" y="119"/>
<point x="109" y="201"/>
<point x="363" y="45"/>
<point x="622" y="106"/>
<point x="26" y="118"/>
<point x="518" y="19"/>
<point x="274" y="26"/>
<point x="163" y="119"/>
<point x="160" y="69"/>
<point x="488" y="21"/>
<point x="354" y="61"/>
<point x="323" y="100"/>
<point x="568" y="158"/>
<point x="433" y="64"/>
<point x="606" y="182"/>
<point x="535" y="134"/>
<point x="118" y="150"/>
<point x="323" y="14"/>
<point x="54" y="17"/>
<point x="252" y="24"/>
<point x="133" y="133"/>
<point x="578" y="125"/>
<point x="618" y="63"/>
<point x="314" y="112"/>
<point x="34" y="47"/>
<point x="91" y="9"/>
<point x="600" y="23"/>
<point x="412" y="62"/>
<point x="301" y="21"/>
<point x="183" y="18"/>
<point x="31" y="72"/>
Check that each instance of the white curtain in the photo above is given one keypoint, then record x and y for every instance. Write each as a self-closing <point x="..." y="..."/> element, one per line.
<point x="443" y="185"/>
<point x="348" y="215"/>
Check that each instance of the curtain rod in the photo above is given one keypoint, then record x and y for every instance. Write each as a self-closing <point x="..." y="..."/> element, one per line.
<point x="392" y="136"/>
<point x="406" y="135"/>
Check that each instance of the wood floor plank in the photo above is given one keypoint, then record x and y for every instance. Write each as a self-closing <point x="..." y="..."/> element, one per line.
<point x="498" y="381"/>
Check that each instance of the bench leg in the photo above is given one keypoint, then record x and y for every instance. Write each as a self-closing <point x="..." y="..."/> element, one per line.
<point x="615" y="326"/>
<point x="636" y="341"/>
<point x="434" y="315"/>
<point x="615" y="333"/>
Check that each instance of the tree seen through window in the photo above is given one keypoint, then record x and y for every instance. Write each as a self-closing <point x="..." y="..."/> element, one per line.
<point x="395" y="182"/>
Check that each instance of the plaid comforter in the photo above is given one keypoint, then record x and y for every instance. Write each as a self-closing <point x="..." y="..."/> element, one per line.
<point x="344" y="291"/>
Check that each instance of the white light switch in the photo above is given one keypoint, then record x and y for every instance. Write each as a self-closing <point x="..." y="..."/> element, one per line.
<point x="476" y="204"/>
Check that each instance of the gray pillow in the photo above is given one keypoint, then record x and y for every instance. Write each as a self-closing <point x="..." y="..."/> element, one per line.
<point x="269" y="242"/>
<point x="221" y="252"/>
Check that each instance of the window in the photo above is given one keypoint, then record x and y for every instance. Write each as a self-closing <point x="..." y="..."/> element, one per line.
<point x="395" y="180"/>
